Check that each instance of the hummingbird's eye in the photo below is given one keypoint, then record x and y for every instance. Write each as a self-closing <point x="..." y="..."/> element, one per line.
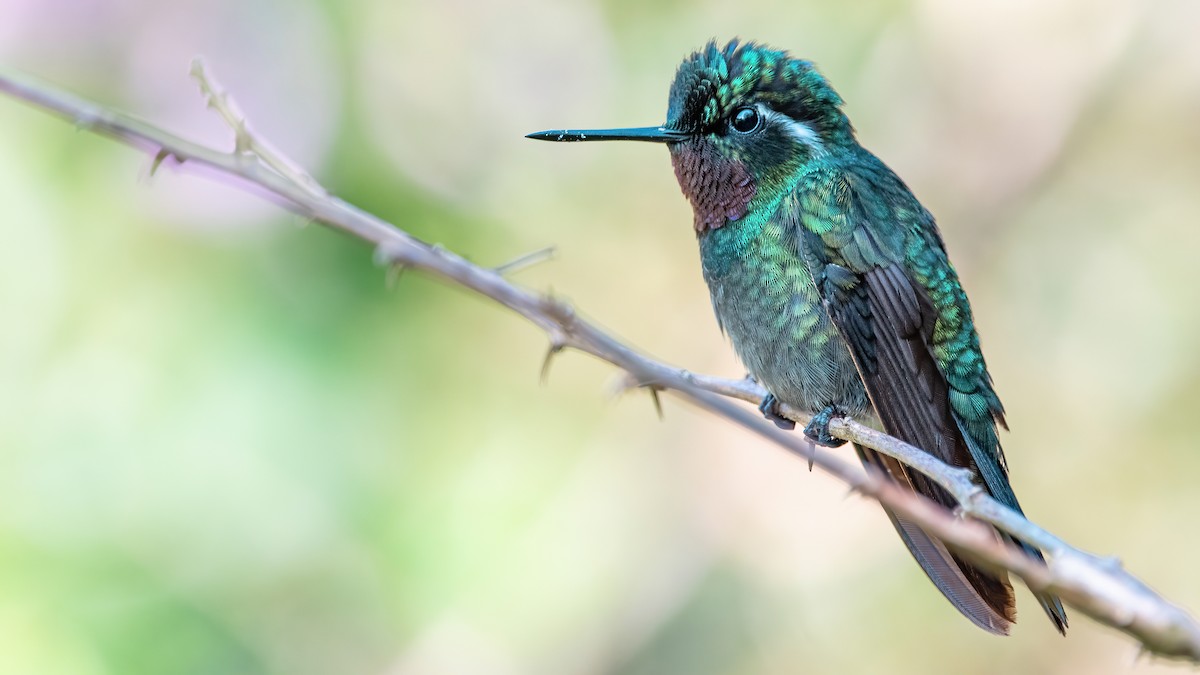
<point x="745" y="120"/>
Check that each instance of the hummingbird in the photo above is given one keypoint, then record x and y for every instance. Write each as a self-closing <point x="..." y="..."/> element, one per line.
<point x="833" y="285"/>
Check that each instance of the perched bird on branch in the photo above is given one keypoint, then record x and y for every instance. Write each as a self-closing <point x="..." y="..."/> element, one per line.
<point x="833" y="284"/>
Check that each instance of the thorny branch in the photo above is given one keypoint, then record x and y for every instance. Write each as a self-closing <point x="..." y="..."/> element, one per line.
<point x="1099" y="587"/>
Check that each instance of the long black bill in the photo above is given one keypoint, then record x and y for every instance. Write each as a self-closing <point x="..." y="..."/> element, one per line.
<point x="648" y="134"/>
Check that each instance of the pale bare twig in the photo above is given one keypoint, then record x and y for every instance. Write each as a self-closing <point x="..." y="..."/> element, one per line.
<point x="1097" y="586"/>
<point x="525" y="261"/>
<point x="245" y="143"/>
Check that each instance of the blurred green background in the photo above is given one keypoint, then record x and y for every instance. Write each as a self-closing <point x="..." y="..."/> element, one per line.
<point x="227" y="447"/>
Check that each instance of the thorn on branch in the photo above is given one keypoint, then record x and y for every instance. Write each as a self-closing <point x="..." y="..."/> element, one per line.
<point x="562" y="312"/>
<point x="161" y="156"/>
<point x="219" y="100"/>
<point x="390" y="253"/>
<point x="629" y="381"/>
<point x="392" y="278"/>
<point x="243" y="142"/>
<point x="658" y="403"/>
<point x="625" y="381"/>
<point x="811" y="457"/>
<point x="557" y="344"/>
<point x="392" y="256"/>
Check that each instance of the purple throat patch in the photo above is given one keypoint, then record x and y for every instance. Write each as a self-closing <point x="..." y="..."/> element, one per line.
<point x="719" y="188"/>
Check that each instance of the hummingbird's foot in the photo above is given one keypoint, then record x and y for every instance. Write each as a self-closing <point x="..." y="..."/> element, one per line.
<point x="770" y="410"/>
<point x="818" y="429"/>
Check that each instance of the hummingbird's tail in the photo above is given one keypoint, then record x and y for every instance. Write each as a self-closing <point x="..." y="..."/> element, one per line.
<point x="984" y="598"/>
<point x="1049" y="602"/>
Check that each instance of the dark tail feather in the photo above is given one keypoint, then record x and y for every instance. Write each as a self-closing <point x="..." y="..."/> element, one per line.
<point x="1049" y="602"/>
<point x="889" y="321"/>
<point x="985" y="599"/>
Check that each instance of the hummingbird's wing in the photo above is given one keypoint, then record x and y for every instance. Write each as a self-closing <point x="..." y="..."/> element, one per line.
<point x="881" y="268"/>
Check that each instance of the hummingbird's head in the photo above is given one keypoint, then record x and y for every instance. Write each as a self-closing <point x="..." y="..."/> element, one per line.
<point x="742" y="122"/>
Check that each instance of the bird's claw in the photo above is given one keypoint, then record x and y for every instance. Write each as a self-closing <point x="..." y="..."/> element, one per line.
<point x="817" y="430"/>
<point x="770" y="410"/>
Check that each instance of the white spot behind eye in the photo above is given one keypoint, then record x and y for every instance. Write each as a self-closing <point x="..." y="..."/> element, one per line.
<point x="801" y="131"/>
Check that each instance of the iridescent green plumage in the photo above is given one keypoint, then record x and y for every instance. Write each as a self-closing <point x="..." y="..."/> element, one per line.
<point x="833" y="283"/>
